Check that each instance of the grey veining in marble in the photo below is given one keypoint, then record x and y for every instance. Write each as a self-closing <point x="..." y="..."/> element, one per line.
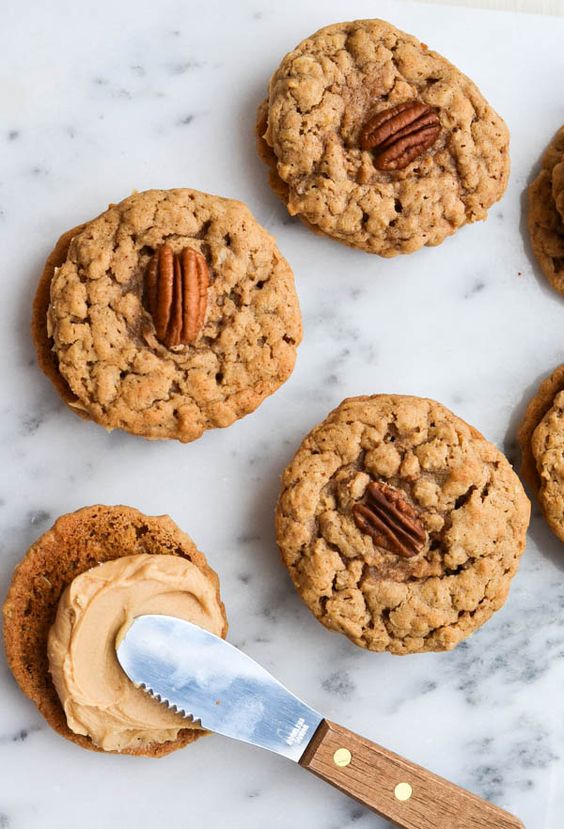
<point x="100" y="98"/>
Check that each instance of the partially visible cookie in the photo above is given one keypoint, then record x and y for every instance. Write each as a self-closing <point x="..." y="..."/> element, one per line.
<point x="374" y="140"/>
<point x="400" y="524"/>
<point x="77" y="542"/>
<point x="171" y="313"/>
<point x="541" y="438"/>
<point x="546" y="213"/>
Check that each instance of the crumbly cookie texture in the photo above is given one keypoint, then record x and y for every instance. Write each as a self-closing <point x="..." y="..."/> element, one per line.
<point x="541" y="438"/>
<point x="97" y="341"/>
<point x="309" y="129"/>
<point x="546" y="213"/>
<point x="77" y="542"/>
<point x="547" y="446"/>
<point x="471" y="510"/>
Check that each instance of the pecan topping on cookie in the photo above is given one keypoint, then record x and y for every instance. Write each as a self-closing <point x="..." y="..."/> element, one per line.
<point x="176" y="292"/>
<point x="400" y="134"/>
<point x="390" y="520"/>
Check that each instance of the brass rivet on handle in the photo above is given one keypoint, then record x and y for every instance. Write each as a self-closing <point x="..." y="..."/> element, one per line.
<point x="403" y="791"/>
<point x="342" y="757"/>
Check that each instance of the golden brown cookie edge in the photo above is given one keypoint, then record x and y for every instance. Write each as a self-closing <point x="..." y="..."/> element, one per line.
<point x="46" y="357"/>
<point x="539" y="199"/>
<point x="538" y="407"/>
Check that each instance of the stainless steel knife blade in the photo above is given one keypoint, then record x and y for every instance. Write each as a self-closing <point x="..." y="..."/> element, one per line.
<point x="205" y="678"/>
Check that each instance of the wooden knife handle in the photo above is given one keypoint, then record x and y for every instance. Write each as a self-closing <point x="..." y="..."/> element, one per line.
<point x="395" y="788"/>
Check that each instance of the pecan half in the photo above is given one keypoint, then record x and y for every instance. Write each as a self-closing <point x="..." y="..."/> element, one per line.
<point x="391" y="521"/>
<point x="176" y="294"/>
<point x="400" y="134"/>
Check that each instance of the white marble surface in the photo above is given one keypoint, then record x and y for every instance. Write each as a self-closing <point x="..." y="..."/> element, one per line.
<point x="99" y="98"/>
<point x="533" y="6"/>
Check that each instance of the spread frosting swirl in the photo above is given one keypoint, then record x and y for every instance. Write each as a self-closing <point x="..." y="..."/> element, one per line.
<point x="98" y="606"/>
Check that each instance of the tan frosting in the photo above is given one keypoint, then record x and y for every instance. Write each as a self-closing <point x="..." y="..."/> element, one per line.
<point x="98" y="699"/>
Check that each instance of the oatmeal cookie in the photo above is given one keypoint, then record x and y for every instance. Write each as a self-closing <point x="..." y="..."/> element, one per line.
<point x="400" y="524"/>
<point x="541" y="438"/>
<point x="546" y="213"/>
<point x="76" y="543"/>
<point x="171" y="313"/>
<point x="373" y="139"/>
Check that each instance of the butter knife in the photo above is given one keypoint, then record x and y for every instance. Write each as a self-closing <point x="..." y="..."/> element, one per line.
<point x="208" y="680"/>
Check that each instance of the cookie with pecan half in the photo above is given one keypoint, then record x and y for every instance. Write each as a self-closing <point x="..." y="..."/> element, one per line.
<point x="373" y="139"/>
<point x="172" y="313"/>
<point x="400" y="524"/>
